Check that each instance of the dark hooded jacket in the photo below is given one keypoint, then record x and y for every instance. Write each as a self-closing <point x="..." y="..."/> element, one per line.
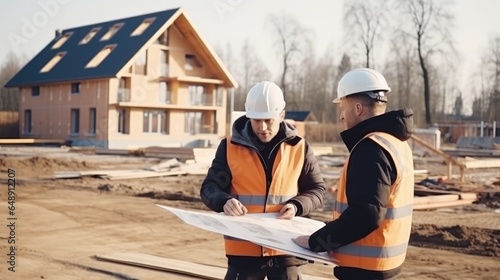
<point x="367" y="188"/>
<point x="216" y="186"/>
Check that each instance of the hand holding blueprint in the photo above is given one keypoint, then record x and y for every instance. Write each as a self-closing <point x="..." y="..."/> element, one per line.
<point x="262" y="228"/>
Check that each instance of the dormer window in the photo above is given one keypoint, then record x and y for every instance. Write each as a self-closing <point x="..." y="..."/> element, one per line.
<point x="52" y="62"/>
<point x="191" y="61"/>
<point x="100" y="56"/>
<point x="112" y="31"/>
<point x="142" y="27"/>
<point x="90" y="35"/>
<point x="62" y="40"/>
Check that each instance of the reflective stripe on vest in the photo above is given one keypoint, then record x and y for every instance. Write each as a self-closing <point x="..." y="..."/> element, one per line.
<point x="385" y="248"/>
<point x="249" y="186"/>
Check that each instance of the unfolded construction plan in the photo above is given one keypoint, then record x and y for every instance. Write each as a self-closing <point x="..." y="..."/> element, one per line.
<point x="262" y="228"/>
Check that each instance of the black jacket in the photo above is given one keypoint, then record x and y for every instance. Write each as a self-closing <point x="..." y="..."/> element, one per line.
<point x="215" y="188"/>
<point x="370" y="174"/>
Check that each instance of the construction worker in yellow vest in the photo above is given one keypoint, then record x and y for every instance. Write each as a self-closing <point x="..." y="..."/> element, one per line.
<point x="264" y="167"/>
<point x="368" y="236"/>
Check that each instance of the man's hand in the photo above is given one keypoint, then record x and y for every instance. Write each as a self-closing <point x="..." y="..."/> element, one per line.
<point x="288" y="211"/>
<point x="302" y="241"/>
<point x="233" y="207"/>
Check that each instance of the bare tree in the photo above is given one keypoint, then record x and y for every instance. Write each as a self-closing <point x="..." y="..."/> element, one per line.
<point x="291" y="40"/>
<point x="252" y="70"/>
<point x="227" y="57"/>
<point x="430" y="28"/>
<point x="312" y="82"/>
<point x="9" y="97"/>
<point x="403" y="66"/>
<point x="458" y="107"/>
<point x="231" y="63"/>
<point x="365" y="20"/>
<point x="492" y="63"/>
<point x="480" y="86"/>
<point x="344" y="66"/>
<point x="447" y="81"/>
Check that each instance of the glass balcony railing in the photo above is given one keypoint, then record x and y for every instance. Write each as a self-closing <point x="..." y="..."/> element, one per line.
<point x="123" y="95"/>
<point x="164" y="69"/>
<point x="204" y="100"/>
<point x="209" y="129"/>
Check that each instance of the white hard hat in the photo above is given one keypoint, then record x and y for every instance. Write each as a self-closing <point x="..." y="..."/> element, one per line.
<point x="264" y="101"/>
<point x="364" y="80"/>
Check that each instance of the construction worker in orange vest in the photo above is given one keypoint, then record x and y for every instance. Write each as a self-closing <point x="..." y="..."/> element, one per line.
<point x="264" y="167"/>
<point x="368" y="236"/>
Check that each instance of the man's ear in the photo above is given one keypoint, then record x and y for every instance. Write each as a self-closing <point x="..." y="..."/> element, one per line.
<point x="282" y="115"/>
<point x="359" y="108"/>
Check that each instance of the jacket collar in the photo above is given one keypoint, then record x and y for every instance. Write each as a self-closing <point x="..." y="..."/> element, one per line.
<point x="398" y="123"/>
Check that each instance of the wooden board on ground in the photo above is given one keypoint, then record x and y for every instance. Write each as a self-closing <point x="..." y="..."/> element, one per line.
<point x="470" y="162"/>
<point x="201" y="271"/>
<point x="443" y="200"/>
<point x="166" y="264"/>
<point x="146" y="174"/>
<point x="19" y="141"/>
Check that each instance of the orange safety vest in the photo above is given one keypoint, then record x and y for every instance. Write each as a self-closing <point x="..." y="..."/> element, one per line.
<point x="385" y="248"/>
<point x="249" y="186"/>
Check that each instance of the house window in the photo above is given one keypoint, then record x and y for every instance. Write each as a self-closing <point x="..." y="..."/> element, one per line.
<point x="122" y="121"/>
<point x="192" y="122"/>
<point x="75" y="87"/>
<point x="62" y="40"/>
<point x="196" y="94"/>
<point x="191" y="62"/>
<point x="124" y="90"/>
<point x="164" y="63"/>
<point x="100" y="56"/>
<point x="27" y="121"/>
<point x="112" y="31"/>
<point x="140" y="63"/>
<point x="35" y="91"/>
<point x="219" y="96"/>
<point x="92" y="120"/>
<point x="143" y="26"/>
<point x="75" y="121"/>
<point x="163" y="39"/>
<point x="154" y="122"/>
<point x="89" y="36"/>
<point x="52" y="62"/>
<point x="165" y="96"/>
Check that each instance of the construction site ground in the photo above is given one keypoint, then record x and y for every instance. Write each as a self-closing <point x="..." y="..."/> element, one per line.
<point x="63" y="224"/>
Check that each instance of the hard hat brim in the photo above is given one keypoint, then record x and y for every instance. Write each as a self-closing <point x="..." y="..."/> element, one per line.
<point x="336" y="100"/>
<point x="262" y="115"/>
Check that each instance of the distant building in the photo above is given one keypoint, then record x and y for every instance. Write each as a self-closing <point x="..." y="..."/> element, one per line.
<point x="148" y="80"/>
<point x="300" y="119"/>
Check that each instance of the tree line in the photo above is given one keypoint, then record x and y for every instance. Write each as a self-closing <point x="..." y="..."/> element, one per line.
<point x="409" y="41"/>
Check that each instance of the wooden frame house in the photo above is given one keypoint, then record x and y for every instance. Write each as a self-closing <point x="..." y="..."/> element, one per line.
<point x="148" y="80"/>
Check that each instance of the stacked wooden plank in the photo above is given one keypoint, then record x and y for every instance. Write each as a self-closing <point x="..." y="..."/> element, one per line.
<point x="114" y="174"/>
<point x="426" y="198"/>
<point x="180" y="153"/>
<point x="471" y="162"/>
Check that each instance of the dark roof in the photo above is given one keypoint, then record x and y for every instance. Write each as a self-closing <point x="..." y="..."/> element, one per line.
<point x="299" y="116"/>
<point x="72" y="66"/>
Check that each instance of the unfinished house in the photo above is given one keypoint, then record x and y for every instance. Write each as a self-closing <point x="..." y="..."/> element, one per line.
<point x="148" y="80"/>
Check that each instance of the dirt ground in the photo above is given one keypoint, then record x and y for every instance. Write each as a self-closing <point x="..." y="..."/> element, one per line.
<point x="61" y="225"/>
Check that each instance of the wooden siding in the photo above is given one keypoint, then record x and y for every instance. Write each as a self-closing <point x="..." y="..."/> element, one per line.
<point x="51" y="110"/>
